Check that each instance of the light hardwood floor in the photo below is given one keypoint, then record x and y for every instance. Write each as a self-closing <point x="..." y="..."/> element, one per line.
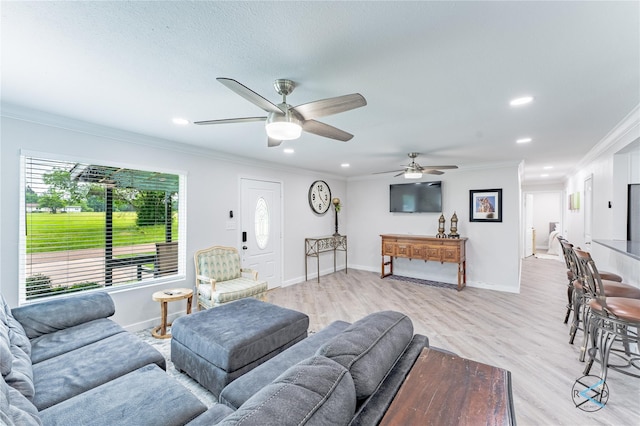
<point x="522" y="333"/>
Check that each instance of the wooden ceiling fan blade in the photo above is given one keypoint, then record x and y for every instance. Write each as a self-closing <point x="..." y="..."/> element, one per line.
<point x="330" y="106"/>
<point x="325" y="130"/>
<point x="249" y="95"/>
<point x="273" y="142"/>
<point x="231" y="120"/>
<point x="440" y="167"/>
<point x="432" y="172"/>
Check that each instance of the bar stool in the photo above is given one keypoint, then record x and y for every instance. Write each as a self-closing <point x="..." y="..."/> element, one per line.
<point x="612" y="283"/>
<point x="610" y="321"/>
<point x="572" y="275"/>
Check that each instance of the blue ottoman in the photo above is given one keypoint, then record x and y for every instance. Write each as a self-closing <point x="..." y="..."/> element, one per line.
<point x="219" y="345"/>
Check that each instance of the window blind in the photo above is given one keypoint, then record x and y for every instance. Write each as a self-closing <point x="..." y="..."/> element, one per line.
<point x="88" y="226"/>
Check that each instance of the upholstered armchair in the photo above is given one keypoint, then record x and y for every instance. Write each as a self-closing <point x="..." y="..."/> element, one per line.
<point x="221" y="279"/>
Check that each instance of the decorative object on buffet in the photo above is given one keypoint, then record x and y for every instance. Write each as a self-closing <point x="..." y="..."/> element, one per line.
<point x="454" y="226"/>
<point x="441" y="222"/>
<point x="336" y="207"/>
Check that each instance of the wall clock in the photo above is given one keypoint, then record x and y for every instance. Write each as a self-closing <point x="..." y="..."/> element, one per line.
<point x="319" y="196"/>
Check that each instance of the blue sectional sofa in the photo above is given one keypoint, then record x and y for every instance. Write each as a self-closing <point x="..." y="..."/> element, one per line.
<point x="346" y="374"/>
<point x="64" y="362"/>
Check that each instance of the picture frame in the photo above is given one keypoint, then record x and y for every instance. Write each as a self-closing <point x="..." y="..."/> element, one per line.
<point x="485" y="205"/>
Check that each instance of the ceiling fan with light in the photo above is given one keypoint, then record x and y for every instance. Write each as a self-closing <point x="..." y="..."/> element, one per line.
<point x="414" y="170"/>
<point x="285" y="122"/>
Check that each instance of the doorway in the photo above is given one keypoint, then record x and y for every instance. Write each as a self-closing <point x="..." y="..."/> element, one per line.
<point x="544" y="213"/>
<point x="261" y="229"/>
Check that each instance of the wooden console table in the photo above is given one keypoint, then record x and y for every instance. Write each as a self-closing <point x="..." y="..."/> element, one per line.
<point x="450" y="250"/>
<point x="315" y="245"/>
<point x="444" y="389"/>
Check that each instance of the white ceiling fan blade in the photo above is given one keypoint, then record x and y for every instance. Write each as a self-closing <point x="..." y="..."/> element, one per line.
<point x="231" y="120"/>
<point x="325" y="130"/>
<point x="440" y="167"/>
<point x="249" y="95"/>
<point x="324" y="107"/>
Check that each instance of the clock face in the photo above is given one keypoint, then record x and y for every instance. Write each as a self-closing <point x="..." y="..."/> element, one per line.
<point x="319" y="196"/>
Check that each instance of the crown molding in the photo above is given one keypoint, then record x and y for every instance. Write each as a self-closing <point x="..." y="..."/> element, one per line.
<point x="38" y="117"/>
<point x="620" y="136"/>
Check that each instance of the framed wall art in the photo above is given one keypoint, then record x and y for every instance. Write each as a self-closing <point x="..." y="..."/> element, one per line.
<point x="485" y="205"/>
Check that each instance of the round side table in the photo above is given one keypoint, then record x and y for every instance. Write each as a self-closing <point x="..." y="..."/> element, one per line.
<point x="164" y="297"/>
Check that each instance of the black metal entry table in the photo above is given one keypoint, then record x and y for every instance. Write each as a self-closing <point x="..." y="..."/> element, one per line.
<point x="315" y="245"/>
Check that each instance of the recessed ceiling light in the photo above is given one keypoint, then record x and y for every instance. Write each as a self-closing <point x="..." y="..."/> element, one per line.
<point x="544" y="175"/>
<point x="524" y="140"/>
<point x="548" y="167"/>
<point x="521" y="101"/>
<point x="180" y="121"/>
<point x="344" y="165"/>
<point x="289" y="151"/>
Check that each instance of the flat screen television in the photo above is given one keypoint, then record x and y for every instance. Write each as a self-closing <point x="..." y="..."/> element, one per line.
<point x="417" y="197"/>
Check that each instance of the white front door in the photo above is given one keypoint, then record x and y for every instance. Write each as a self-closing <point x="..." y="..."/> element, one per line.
<point x="261" y="233"/>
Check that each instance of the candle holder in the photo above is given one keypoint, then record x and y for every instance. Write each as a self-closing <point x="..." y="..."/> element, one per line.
<point x="336" y="208"/>
<point x="441" y="222"/>
<point x="454" y="226"/>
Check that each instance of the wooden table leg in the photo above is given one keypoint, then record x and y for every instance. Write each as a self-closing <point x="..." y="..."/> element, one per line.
<point x="163" y="318"/>
<point x="189" y="301"/>
<point x="160" y="331"/>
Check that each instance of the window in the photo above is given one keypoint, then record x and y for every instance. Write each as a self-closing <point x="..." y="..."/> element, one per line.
<point x="88" y="226"/>
<point x="262" y="223"/>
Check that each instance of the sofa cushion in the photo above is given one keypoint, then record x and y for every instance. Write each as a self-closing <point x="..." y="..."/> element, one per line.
<point x="227" y="291"/>
<point x="54" y="344"/>
<point x="58" y="314"/>
<point x="240" y="390"/>
<point x="70" y="374"/>
<point x="144" y="397"/>
<point x="15" y="408"/>
<point x="370" y="347"/>
<point x="5" y="348"/>
<point x="212" y="416"/>
<point x="16" y="332"/>
<point x="21" y="375"/>
<point x="372" y="409"/>
<point x="322" y="389"/>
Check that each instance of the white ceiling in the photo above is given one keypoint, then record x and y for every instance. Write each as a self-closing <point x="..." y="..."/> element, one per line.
<point x="437" y="76"/>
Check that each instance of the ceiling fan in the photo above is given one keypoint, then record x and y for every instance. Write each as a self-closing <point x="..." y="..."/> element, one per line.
<point x="284" y="122"/>
<point x="414" y="170"/>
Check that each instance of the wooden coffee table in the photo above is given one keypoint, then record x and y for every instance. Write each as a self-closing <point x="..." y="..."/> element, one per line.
<point x="444" y="389"/>
<point x="164" y="297"/>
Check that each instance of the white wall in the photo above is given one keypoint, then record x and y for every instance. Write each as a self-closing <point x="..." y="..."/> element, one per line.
<point x="493" y="250"/>
<point x="547" y="207"/>
<point x="614" y="164"/>
<point x="212" y="190"/>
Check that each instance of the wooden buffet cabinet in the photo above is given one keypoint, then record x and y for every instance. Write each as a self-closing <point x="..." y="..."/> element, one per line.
<point x="450" y="250"/>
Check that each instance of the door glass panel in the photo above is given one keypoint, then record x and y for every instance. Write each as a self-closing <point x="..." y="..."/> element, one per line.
<point x="262" y="223"/>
